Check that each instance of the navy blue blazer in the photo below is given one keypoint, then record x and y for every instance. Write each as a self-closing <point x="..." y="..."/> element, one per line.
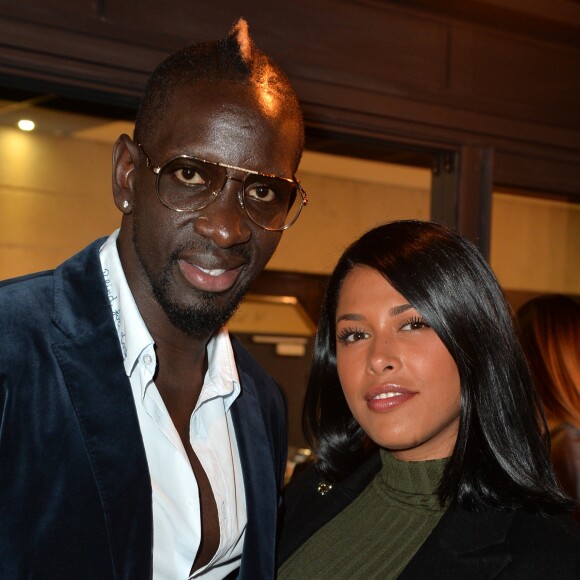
<point x="483" y="545"/>
<point x="75" y="491"/>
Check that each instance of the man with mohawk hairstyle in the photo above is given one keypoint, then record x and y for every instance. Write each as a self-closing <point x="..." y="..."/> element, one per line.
<point x="137" y="439"/>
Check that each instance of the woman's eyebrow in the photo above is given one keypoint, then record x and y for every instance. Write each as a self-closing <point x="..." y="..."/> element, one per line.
<point x="396" y="310"/>
<point x="349" y="317"/>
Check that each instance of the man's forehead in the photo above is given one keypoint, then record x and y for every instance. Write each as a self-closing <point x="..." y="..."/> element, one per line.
<point x="226" y="122"/>
<point x="229" y="106"/>
<point x="261" y="97"/>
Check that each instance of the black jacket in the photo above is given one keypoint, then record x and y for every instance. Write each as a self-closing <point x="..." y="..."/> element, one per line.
<point x="507" y="545"/>
<point x="75" y="490"/>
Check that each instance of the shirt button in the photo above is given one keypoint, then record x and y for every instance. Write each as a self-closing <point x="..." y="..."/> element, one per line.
<point x="147" y="359"/>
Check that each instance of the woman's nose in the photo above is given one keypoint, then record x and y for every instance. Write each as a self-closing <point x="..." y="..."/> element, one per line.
<point x="383" y="357"/>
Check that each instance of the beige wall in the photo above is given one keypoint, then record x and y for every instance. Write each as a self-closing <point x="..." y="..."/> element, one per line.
<point x="535" y="244"/>
<point x="347" y="197"/>
<point x="55" y="197"/>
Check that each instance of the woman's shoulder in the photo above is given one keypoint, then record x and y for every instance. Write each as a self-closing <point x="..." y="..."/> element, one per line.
<point x="310" y="501"/>
<point x="502" y="544"/>
<point x="310" y="485"/>
<point x="522" y="531"/>
<point x="561" y="529"/>
<point x="545" y="542"/>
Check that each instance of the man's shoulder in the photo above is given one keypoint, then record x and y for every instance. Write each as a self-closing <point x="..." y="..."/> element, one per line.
<point x="25" y="278"/>
<point x="34" y="292"/>
<point x="25" y="306"/>
<point x="25" y="290"/>
<point x="21" y="283"/>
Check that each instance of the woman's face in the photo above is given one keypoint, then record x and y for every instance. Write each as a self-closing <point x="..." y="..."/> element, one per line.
<point x="400" y="382"/>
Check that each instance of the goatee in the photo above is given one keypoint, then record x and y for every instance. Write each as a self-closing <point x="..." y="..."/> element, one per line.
<point x="201" y="320"/>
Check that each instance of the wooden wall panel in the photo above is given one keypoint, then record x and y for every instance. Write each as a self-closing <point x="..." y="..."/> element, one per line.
<point x="503" y="68"/>
<point x="445" y="74"/>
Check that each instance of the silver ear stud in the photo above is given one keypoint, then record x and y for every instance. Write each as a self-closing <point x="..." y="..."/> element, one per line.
<point x="125" y="204"/>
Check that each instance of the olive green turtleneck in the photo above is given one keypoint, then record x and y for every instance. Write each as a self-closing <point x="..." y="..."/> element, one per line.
<point x="379" y="532"/>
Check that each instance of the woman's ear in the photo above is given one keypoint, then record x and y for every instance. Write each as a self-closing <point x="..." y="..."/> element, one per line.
<point x="125" y="154"/>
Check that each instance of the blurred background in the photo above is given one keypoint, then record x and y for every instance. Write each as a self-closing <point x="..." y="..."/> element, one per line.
<point x="466" y="112"/>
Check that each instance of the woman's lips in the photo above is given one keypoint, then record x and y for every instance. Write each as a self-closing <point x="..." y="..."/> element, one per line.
<point x="209" y="279"/>
<point x="388" y="397"/>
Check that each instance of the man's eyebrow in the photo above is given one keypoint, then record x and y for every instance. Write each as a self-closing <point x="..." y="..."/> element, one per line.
<point x="396" y="310"/>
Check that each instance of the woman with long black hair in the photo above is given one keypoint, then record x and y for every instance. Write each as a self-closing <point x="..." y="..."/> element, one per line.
<point x="430" y="440"/>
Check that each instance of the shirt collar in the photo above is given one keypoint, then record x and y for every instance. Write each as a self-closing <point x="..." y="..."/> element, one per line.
<point x="221" y="379"/>
<point x="133" y="334"/>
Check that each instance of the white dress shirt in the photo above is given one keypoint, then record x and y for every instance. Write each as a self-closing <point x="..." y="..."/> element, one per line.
<point x="176" y="505"/>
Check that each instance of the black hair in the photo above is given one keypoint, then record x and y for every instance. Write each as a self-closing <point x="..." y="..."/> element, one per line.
<point x="235" y="59"/>
<point x="500" y="458"/>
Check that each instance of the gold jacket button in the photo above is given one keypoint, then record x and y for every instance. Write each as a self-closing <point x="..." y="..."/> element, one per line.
<point x="324" y="487"/>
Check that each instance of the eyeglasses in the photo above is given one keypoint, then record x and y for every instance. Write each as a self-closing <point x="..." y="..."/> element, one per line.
<point x="185" y="183"/>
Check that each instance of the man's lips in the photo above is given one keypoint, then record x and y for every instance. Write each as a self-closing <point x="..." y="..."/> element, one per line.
<point x="385" y="397"/>
<point x="209" y="279"/>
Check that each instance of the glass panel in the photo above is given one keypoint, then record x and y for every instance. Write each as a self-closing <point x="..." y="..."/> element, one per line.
<point x="535" y="244"/>
<point x="348" y="196"/>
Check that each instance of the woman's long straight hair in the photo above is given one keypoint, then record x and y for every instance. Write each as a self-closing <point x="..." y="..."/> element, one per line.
<point x="500" y="457"/>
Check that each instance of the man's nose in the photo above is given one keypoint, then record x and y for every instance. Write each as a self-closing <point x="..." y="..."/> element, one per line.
<point x="225" y="221"/>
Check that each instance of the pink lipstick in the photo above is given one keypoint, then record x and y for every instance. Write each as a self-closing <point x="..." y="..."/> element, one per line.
<point x="386" y="397"/>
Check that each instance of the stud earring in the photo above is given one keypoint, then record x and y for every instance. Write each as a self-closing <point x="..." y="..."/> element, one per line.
<point x="125" y="204"/>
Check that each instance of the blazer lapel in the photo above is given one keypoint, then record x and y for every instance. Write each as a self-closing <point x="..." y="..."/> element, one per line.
<point x="92" y="367"/>
<point x="306" y="509"/>
<point x="463" y="545"/>
<point x="259" y="482"/>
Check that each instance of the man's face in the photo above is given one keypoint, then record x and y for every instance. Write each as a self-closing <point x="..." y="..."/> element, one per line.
<point x="200" y="264"/>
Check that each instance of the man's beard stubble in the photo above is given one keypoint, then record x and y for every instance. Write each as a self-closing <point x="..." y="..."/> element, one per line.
<point x="199" y="321"/>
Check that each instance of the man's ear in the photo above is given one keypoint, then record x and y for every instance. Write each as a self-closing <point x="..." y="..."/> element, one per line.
<point x="125" y="154"/>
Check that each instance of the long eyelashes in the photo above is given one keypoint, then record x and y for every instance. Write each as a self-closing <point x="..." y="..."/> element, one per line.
<point x="415" y="323"/>
<point x="348" y="335"/>
<point x="351" y="334"/>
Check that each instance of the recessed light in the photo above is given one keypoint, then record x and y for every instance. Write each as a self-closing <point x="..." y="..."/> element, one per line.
<point x="26" y="125"/>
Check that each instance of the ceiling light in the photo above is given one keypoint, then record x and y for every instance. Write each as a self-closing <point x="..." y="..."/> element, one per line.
<point x="26" y="125"/>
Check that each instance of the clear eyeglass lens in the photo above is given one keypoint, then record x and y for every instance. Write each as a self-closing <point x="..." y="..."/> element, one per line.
<point x="188" y="184"/>
<point x="271" y="203"/>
